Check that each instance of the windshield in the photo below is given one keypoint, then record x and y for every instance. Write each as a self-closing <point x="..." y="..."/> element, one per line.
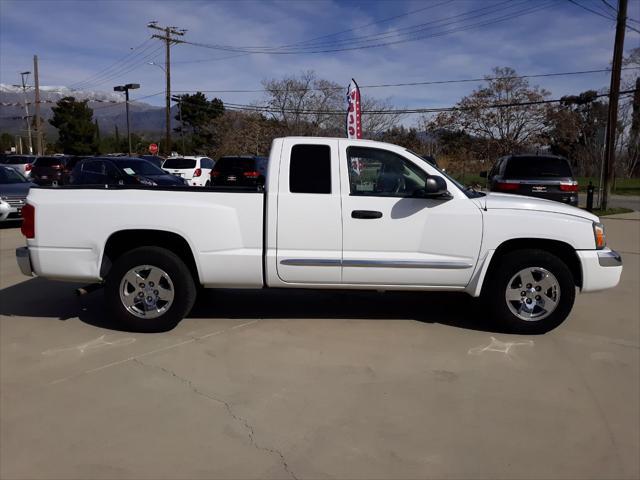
<point x="9" y="175"/>
<point x="537" y="167"/>
<point x="469" y="192"/>
<point x="19" y="160"/>
<point x="49" y="161"/>
<point x="230" y="164"/>
<point x="138" y="167"/>
<point x="179" y="163"/>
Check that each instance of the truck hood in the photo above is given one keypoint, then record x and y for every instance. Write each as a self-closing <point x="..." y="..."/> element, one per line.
<point x="494" y="201"/>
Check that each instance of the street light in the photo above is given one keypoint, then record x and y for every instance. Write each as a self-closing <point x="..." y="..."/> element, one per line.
<point x="125" y="89"/>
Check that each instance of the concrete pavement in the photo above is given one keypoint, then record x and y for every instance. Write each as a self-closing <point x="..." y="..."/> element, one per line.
<point x="275" y="384"/>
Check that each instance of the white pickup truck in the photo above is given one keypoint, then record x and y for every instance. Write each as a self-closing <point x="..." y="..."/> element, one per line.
<point x="333" y="213"/>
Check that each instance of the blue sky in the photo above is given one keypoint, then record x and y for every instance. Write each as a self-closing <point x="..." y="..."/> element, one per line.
<point x="77" y="39"/>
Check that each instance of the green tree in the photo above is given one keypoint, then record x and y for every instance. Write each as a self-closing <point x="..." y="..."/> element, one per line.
<point x="198" y="113"/>
<point x="76" y="130"/>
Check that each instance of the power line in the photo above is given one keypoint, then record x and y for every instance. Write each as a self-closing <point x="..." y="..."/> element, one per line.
<point x="510" y="16"/>
<point x="411" y="84"/>
<point x="267" y="109"/>
<point x="132" y="64"/>
<point x="605" y="15"/>
<point x="112" y="66"/>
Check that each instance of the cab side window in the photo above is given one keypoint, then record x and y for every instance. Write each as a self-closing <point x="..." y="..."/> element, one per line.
<point x="381" y="173"/>
<point x="310" y="169"/>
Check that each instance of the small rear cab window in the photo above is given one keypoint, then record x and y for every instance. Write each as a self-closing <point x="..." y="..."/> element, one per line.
<point x="537" y="167"/>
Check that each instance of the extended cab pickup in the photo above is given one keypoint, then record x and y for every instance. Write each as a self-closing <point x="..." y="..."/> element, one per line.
<point x="333" y="213"/>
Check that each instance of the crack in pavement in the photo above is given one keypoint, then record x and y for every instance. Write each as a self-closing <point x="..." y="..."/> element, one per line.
<point x="243" y="421"/>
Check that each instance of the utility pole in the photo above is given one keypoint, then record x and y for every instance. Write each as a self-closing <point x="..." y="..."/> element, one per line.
<point x="179" y="100"/>
<point x="169" y="40"/>
<point x="36" y="79"/>
<point x="614" y="93"/>
<point x="24" y="76"/>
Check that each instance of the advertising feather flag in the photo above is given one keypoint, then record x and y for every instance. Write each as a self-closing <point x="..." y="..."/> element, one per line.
<point x="354" y="121"/>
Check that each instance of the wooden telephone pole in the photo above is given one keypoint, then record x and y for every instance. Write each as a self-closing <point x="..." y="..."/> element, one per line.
<point x="38" y="121"/>
<point x="169" y="40"/>
<point x="614" y="93"/>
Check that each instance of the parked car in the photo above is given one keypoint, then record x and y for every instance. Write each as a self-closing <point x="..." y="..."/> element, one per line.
<point x="544" y="176"/>
<point x="14" y="188"/>
<point x="319" y="224"/>
<point x="244" y="171"/>
<point x="195" y="170"/>
<point x="121" y="171"/>
<point x="20" y="162"/>
<point x="155" y="159"/>
<point x="53" y="170"/>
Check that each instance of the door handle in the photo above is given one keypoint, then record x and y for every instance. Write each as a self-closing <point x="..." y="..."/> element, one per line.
<point x="366" y="214"/>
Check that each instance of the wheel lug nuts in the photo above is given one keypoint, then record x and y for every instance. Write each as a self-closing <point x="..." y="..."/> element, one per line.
<point x="538" y="297"/>
<point x="538" y="288"/>
<point x="141" y="294"/>
<point x="528" y="300"/>
<point x="523" y="293"/>
<point x="149" y="299"/>
<point x="151" y="284"/>
<point x="141" y="285"/>
<point x="528" y="285"/>
<point x="155" y="292"/>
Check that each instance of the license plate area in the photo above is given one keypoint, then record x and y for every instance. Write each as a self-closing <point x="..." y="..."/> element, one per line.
<point x="539" y="188"/>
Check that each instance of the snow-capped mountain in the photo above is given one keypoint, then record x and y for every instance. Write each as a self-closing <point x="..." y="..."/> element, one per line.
<point x="108" y="109"/>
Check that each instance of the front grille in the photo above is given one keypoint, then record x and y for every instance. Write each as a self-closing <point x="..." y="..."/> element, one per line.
<point x="15" y="201"/>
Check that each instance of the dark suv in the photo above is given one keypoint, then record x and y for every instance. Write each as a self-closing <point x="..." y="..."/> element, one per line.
<point x="243" y="171"/>
<point x="121" y="171"/>
<point x="53" y="170"/>
<point x="544" y="176"/>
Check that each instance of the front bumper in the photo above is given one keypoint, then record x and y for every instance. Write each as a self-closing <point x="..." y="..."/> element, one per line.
<point x="601" y="269"/>
<point x="24" y="261"/>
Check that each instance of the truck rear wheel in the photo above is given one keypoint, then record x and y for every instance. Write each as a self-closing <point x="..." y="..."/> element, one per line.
<point x="150" y="289"/>
<point x="529" y="291"/>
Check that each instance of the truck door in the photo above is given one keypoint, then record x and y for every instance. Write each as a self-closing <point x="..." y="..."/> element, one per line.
<point x="309" y="225"/>
<point x="391" y="236"/>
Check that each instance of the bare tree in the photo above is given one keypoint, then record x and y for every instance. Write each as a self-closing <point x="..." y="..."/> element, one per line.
<point x="308" y="105"/>
<point x="511" y="126"/>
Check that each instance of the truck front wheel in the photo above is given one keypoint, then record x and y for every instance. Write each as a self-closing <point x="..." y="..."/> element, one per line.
<point x="150" y="289"/>
<point x="529" y="291"/>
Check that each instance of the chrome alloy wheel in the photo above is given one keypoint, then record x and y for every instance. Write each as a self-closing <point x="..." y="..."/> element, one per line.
<point x="532" y="294"/>
<point x="147" y="291"/>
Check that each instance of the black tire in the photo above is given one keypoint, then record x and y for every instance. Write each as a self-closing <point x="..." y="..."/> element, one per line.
<point x="183" y="289"/>
<point x="208" y="184"/>
<point x="498" y="281"/>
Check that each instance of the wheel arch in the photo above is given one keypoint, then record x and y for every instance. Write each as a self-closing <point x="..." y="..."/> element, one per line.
<point x="562" y="250"/>
<point x="123" y="241"/>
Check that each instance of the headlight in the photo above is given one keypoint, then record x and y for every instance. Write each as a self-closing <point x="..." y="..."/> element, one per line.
<point x="599" y="235"/>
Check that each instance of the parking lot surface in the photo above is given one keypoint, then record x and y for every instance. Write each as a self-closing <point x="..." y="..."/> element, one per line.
<point x="284" y="384"/>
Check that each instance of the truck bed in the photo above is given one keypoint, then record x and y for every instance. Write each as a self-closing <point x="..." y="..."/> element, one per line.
<point x="223" y="226"/>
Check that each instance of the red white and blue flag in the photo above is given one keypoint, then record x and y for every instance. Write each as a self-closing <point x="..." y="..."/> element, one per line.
<point x="354" y="121"/>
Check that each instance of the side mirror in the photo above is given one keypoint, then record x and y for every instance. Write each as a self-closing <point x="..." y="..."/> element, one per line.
<point x="483" y="174"/>
<point x="435" y="186"/>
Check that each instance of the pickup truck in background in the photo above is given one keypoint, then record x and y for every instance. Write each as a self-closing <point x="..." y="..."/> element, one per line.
<point x="333" y="213"/>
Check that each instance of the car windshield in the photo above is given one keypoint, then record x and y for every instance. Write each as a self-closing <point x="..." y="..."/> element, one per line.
<point x="19" y="160"/>
<point x="537" y="167"/>
<point x="9" y="175"/>
<point x="49" y="161"/>
<point x="179" y="163"/>
<point x="138" y="167"/>
<point x="231" y="164"/>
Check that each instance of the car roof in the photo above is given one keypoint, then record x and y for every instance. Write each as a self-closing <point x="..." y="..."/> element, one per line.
<point x="540" y="155"/>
